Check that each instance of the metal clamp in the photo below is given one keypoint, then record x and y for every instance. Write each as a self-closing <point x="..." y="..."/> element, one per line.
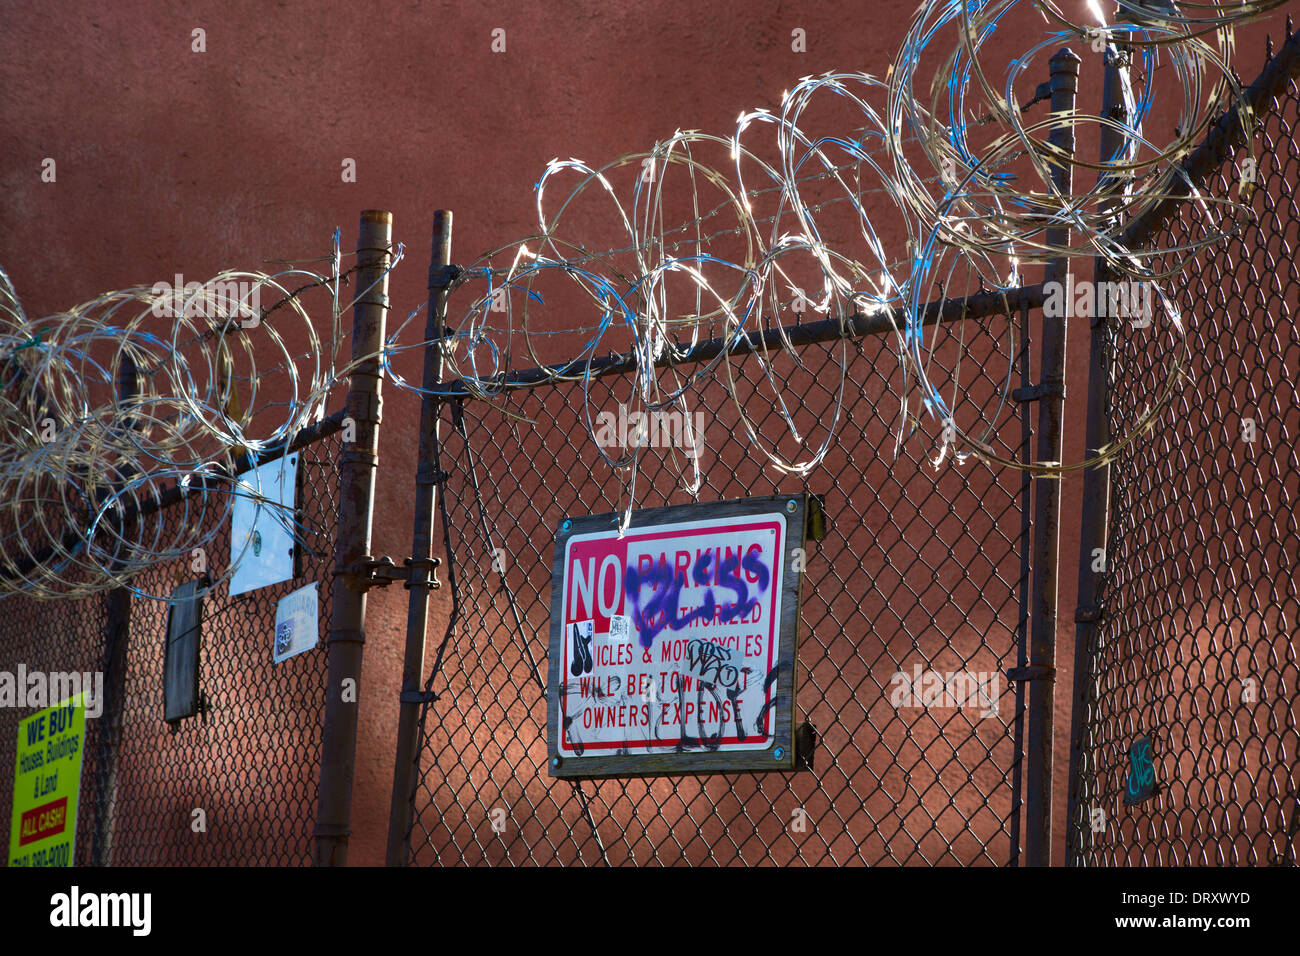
<point x="366" y="407"/>
<point x="417" y="697"/>
<point x="1041" y="93"/>
<point x="1032" y="672"/>
<point x="1033" y="393"/>
<point x="446" y="277"/>
<point x="368" y="572"/>
<point x="429" y="576"/>
<point x="427" y="474"/>
<point x="1086" y="613"/>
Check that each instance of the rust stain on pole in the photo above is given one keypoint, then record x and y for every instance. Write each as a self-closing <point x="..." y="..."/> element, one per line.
<point x="357" y="466"/>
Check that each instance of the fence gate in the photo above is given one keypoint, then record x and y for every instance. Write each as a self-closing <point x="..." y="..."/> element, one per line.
<point x="920" y="570"/>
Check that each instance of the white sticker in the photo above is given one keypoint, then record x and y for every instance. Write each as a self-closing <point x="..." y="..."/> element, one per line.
<point x="620" y="629"/>
<point x="261" y="526"/>
<point x="296" y="623"/>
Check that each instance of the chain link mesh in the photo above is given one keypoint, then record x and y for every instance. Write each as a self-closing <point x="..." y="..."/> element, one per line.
<point x="923" y="569"/>
<point x="1195" y="648"/>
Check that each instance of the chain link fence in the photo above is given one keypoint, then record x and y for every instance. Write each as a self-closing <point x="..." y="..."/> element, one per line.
<point x="249" y="761"/>
<point x="1194" y="649"/>
<point x="924" y="573"/>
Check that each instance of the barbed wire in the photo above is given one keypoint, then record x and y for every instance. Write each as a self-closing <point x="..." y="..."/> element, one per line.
<point x="937" y="146"/>
<point x="106" y="406"/>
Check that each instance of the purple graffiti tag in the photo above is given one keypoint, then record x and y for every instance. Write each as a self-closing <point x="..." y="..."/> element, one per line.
<point x="661" y="611"/>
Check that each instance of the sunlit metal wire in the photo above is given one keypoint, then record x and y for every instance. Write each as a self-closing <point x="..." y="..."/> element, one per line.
<point x="715" y="229"/>
<point x="107" y="406"/>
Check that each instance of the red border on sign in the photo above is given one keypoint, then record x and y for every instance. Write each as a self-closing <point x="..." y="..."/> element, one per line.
<point x="658" y="743"/>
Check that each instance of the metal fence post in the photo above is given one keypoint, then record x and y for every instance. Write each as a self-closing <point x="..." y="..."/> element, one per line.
<point x="117" y="639"/>
<point x="357" y="466"/>
<point x="426" y="487"/>
<point x="1025" y="499"/>
<point x="1096" y="480"/>
<point x="1050" y="394"/>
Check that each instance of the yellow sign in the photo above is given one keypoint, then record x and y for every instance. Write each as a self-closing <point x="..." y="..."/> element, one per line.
<point x="47" y="783"/>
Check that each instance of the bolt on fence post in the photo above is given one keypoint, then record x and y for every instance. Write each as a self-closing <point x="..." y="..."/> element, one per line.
<point x="1096" y="480"/>
<point x="1047" y="496"/>
<point x="426" y="487"/>
<point x="357" y="466"/>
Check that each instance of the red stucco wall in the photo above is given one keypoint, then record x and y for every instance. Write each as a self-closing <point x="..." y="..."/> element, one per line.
<point x="174" y="161"/>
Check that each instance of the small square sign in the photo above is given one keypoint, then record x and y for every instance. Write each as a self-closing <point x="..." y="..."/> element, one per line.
<point x="296" y="623"/>
<point x="261" y="523"/>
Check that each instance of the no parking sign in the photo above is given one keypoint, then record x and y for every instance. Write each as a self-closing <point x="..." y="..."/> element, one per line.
<point x="673" y="645"/>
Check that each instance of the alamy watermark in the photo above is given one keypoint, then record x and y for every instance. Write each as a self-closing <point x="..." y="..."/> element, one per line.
<point x="1127" y="299"/>
<point x="670" y="428"/>
<point x="41" y="689"/>
<point x="215" y="299"/>
<point x="962" y="689"/>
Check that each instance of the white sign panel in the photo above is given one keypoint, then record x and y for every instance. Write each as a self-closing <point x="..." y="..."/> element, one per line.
<point x="296" y="623"/>
<point x="261" y="518"/>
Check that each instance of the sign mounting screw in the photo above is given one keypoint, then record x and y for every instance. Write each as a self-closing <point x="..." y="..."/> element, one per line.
<point x="555" y="762"/>
<point x="790" y="506"/>
<point x="778" y="753"/>
<point x="567" y="526"/>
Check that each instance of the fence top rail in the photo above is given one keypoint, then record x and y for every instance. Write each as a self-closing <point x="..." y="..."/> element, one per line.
<point x="978" y="306"/>
<point x="1224" y="138"/>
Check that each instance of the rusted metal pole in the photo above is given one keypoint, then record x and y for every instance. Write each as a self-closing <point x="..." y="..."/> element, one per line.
<point x="1047" y="500"/>
<point x="426" y="488"/>
<point x="1093" y="558"/>
<point x="357" y="465"/>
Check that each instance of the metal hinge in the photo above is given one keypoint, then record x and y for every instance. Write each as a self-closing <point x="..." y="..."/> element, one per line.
<point x="805" y="744"/>
<point x="816" y="521"/>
